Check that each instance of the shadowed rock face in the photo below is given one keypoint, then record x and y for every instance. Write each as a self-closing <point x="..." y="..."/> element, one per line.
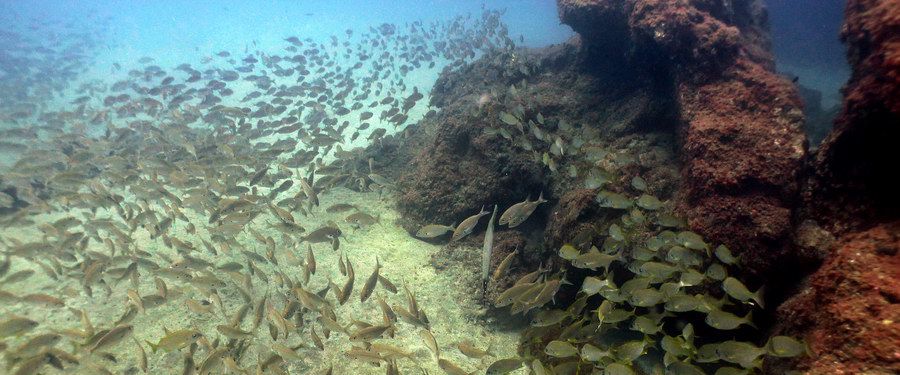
<point x="853" y="171"/>
<point x="848" y="309"/>
<point x="742" y="143"/>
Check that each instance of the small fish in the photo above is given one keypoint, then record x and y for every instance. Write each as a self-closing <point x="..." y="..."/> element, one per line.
<point x="519" y="212"/>
<point x="468" y="349"/>
<point x="430" y="342"/>
<point x="310" y="259"/>
<point x="546" y="318"/>
<point x="723" y="253"/>
<point x="278" y="320"/>
<point x="504" y="366"/>
<point x="504" y="266"/>
<point x="369" y="356"/>
<point x="34" y="364"/>
<point x="16" y="325"/>
<point x="286" y="352"/>
<point x="451" y="368"/>
<point x="593" y="354"/>
<point x="739" y="291"/>
<point x="34" y="345"/>
<point x="569" y="252"/>
<point x="434" y="230"/>
<point x="722" y="320"/>
<point x="560" y="349"/>
<point x="43" y="299"/>
<point x="142" y="355"/>
<point x="387" y="284"/>
<point x="631" y="350"/>
<point x="370" y="333"/>
<point x="514" y="293"/>
<point x="310" y="192"/>
<point x="324" y="234"/>
<point x="468" y="225"/>
<point x="176" y="340"/>
<point x="233" y="332"/>
<point x="211" y="363"/>
<point x="360" y="219"/>
<point x="113" y="337"/>
<point x="646" y="297"/>
<point x="22" y="275"/>
<point x="744" y="354"/>
<point x="135" y="300"/>
<point x="645" y="325"/>
<point x="370" y="284"/>
<point x="682" y="303"/>
<point x="784" y="346"/>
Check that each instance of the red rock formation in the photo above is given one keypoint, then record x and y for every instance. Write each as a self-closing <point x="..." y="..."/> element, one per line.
<point x="742" y="143"/>
<point x="849" y="311"/>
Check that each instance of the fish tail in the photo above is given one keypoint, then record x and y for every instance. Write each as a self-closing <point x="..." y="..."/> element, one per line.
<point x="759" y="297"/>
<point x="153" y="346"/>
<point x="749" y="319"/>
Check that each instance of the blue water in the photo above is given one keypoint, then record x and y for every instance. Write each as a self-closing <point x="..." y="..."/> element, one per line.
<point x="173" y="32"/>
<point x="61" y="61"/>
<point x="806" y="43"/>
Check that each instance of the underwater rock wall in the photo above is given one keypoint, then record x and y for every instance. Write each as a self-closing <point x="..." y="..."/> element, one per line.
<point x="849" y="308"/>
<point x="741" y="134"/>
<point x="851" y="185"/>
<point x="458" y="165"/>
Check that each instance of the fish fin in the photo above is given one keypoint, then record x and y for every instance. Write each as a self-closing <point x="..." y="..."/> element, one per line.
<point x="759" y="296"/>
<point x="749" y="319"/>
<point x="541" y="198"/>
<point x="153" y="347"/>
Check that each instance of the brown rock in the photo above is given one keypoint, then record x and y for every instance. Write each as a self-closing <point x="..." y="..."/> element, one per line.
<point x="849" y="310"/>
<point x="741" y="125"/>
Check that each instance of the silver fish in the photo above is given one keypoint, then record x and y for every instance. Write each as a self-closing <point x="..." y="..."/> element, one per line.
<point x="519" y="212"/>
<point x="468" y="225"/>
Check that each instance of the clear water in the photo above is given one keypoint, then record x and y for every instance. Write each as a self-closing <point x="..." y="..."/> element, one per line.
<point x="80" y="49"/>
<point x="60" y="63"/>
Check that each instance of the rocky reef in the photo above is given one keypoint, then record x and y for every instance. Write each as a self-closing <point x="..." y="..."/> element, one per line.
<point x="684" y="94"/>
<point x="849" y="308"/>
<point x="850" y="181"/>
<point x="740" y="124"/>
